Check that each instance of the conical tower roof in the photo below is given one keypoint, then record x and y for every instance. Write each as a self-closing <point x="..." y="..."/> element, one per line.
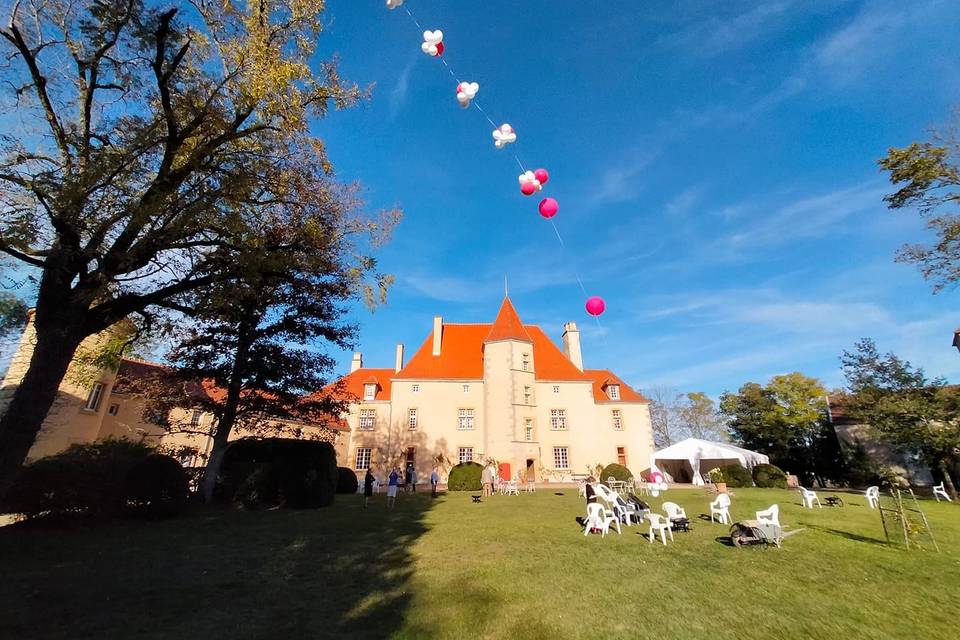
<point x="507" y="326"/>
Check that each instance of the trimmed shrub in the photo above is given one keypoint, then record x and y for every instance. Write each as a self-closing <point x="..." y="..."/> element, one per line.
<point x="347" y="480"/>
<point x="617" y="471"/>
<point x="157" y="486"/>
<point x="735" y="476"/>
<point x="85" y="480"/>
<point x="292" y="473"/>
<point x="769" y="476"/>
<point x="465" y="477"/>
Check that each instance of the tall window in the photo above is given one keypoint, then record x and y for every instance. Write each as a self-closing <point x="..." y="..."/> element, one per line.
<point x="195" y="418"/>
<point x="526" y="362"/>
<point x="558" y="419"/>
<point x="363" y="459"/>
<point x="527" y="395"/>
<point x="617" y="420"/>
<point x="528" y="430"/>
<point x="465" y="454"/>
<point x="369" y="391"/>
<point x="465" y="419"/>
<point x="614" y="391"/>
<point x="114" y="409"/>
<point x="368" y="418"/>
<point x="96" y="395"/>
<point x="411" y="454"/>
<point x="561" y="459"/>
<point x="556" y="388"/>
<point x="466" y="388"/>
<point x="412" y="418"/>
<point x="622" y="456"/>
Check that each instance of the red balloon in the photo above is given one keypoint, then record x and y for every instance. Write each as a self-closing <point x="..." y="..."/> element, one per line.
<point x="541" y="175"/>
<point x="549" y="207"/>
<point x="528" y="188"/>
<point x="440" y="48"/>
<point x="595" y="305"/>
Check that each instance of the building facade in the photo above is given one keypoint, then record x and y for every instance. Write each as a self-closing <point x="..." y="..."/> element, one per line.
<point x="500" y="392"/>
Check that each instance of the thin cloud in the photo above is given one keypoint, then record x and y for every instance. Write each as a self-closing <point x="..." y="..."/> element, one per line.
<point x="400" y="91"/>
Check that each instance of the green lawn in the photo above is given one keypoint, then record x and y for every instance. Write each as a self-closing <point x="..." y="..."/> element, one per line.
<point x="512" y="567"/>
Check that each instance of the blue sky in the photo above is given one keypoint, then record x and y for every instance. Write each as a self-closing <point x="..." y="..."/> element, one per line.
<point x="714" y="164"/>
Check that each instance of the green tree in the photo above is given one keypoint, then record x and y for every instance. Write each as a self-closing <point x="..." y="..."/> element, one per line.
<point x="916" y="415"/>
<point x="928" y="177"/>
<point x="787" y="419"/>
<point x="13" y="312"/>
<point x="154" y="145"/>
<point x="698" y="417"/>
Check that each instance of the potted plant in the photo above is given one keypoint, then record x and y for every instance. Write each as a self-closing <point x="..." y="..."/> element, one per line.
<point x="716" y="477"/>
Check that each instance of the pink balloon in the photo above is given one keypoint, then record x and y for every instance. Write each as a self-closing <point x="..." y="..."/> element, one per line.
<point x="595" y="305"/>
<point x="541" y="175"/>
<point x="549" y="207"/>
<point x="527" y="188"/>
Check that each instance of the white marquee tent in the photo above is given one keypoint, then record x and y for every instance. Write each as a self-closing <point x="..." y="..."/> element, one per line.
<point x="693" y="457"/>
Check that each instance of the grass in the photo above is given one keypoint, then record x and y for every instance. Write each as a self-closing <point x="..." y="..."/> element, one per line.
<point x="511" y="567"/>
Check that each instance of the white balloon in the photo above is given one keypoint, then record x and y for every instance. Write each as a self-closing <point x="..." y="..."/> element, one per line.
<point x="663" y="486"/>
<point x="393" y="4"/>
<point x="528" y="176"/>
<point x="467" y="91"/>
<point x="504" y="135"/>
<point x="430" y="41"/>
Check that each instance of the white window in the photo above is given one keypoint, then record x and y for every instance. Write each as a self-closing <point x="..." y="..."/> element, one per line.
<point x="556" y="388"/>
<point x="465" y="454"/>
<point x="560" y="458"/>
<point x="363" y="458"/>
<point x="412" y="418"/>
<point x="368" y="418"/>
<point x="558" y="419"/>
<point x="527" y="395"/>
<point x="114" y="409"/>
<point x="526" y="362"/>
<point x="617" y="420"/>
<point x="415" y="388"/>
<point x="369" y="391"/>
<point x="96" y="395"/>
<point x="466" y="388"/>
<point x="614" y="391"/>
<point x="465" y="419"/>
<point x="195" y="418"/>
<point x="528" y="430"/>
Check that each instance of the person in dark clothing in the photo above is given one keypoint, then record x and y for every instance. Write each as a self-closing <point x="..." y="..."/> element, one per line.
<point x="367" y="488"/>
<point x="589" y="490"/>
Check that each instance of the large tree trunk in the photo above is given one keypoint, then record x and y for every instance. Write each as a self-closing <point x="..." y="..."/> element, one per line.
<point x="944" y="469"/>
<point x="34" y="396"/>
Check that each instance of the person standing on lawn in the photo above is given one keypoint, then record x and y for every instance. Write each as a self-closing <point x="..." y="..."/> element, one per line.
<point x="413" y="480"/>
<point x="434" y="481"/>
<point x="392" y="487"/>
<point x="590" y="491"/>
<point x="367" y="487"/>
<point x="486" y="480"/>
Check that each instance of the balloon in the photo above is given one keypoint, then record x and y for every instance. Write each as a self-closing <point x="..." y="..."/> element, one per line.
<point x="432" y="43"/>
<point x="393" y="4"/>
<point x="656" y="477"/>
<point x="527" y="178"/>
<point x="503" y="135"/>
<point x="541" y="175"/>
<point x="663" y="486"/>
<point x="528" y="188"/>
<point x="549" y="207"/>
<point x="595" y="306"/>
<point x="654" y="492"/>
<point x="467" y="91"/>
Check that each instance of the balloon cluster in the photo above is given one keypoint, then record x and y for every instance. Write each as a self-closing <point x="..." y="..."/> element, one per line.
<point x="432" y="42"/>
<point x="657" y="483"/>
<point x="393" y="4"/>
<point x="504" y="135"/>
<point x="467" y="91"/>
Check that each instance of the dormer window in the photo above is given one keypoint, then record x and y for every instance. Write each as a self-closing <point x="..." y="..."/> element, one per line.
<point x="613" y="391"/>
<point x="369" y="391"/>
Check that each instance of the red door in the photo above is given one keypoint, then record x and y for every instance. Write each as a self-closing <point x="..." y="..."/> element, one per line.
<point x="504" y="471"/>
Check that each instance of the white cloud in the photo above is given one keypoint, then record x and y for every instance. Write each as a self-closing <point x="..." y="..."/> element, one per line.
<point x="719" y="34"/>
<point x="398" y="95"/>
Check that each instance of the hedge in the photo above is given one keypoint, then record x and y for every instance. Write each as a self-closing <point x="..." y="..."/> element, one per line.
<point x="157" y="486"/>
<point x="465" y="477"/>
<point x="735" y="476"/>
<point x="347" y="480"/>
<point x="269" y="472"/>
<point x="618" y="471"/>
<point x="769" y="476"/>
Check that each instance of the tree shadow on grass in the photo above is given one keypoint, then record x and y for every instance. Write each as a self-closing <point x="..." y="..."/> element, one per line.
<point x="340" y="572"/>
<point x="847" y="534"/>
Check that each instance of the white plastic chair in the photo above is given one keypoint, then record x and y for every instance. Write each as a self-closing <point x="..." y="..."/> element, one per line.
<point x="808" y="498"/>
<point x="661" y="524"/>
<point x="511" y="488"/>
<point x="771" y="515"/>
<point x="721" y="508"/>
<point x="600" y="519"/>
<point x="532" y="487"/>
<point x="582" y="488"/>
<point x="625" y="511"/>
<point x="674" y="511"/>
<point x="873" y="497"/>
<point x="939" y="491"/>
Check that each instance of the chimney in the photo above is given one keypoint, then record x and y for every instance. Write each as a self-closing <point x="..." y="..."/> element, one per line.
<point x="399" y="364"/>
<point x="571" y="344"/>
<point x="357" y="362"/>
<point x="437" y="334"/>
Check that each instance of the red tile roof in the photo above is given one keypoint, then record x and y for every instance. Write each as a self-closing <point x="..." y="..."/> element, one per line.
<point x="604" y="377"/>
<point x="507" y="326"/>
<point x="351" y="385"/>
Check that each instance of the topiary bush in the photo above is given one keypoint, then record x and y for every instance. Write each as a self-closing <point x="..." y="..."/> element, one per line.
<point x="347" y="480"/>
<point x="734" y="475"/>
<point x="85" y="480"/>
<point x="617" y="471"/>
<point x="157" y="486"/>
<point x="769" y="476"/>
<point x="291" y="473"/>
<point x="465" y="477"/>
